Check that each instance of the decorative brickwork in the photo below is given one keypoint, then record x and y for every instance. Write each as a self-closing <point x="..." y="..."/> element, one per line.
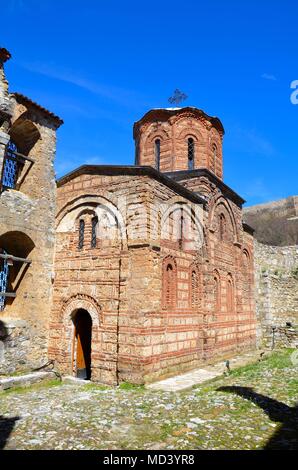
<point x="188" y="139"/>
<point x="153" y="260"/>
<point x="172" y="274"/>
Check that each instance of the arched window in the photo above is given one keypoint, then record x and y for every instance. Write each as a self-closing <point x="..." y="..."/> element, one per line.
<point x="11" y="166"/>
<point x="81" y="233"/>
<point x="246" y="261"/>
<point x="157" y="153"/>
<point x="94" y="223"/>
<point x="181" y="228"/>
<point x="247" y="292"/>
<point x="222" y="227"/>
<point x="191" y="153"/>
<point x="214" y="157"/>
<point x="195" y="289"/>
<point x="216" y="293"/>
<point x="15" y="248"/>
<point x="230" y="295"/>
<point x="169" y="284"/>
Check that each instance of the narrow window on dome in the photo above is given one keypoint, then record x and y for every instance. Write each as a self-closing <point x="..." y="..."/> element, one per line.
<point x="157" y="153"/>
<point x="214" y="157"/>
<point x="191" y="153"/>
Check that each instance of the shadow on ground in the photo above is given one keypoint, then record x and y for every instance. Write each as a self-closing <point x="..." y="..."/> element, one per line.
<point x="6" y="427"/>
<point x="286" y="437"/>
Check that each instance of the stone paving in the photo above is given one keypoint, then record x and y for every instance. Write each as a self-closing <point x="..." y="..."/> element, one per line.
<point x="252" y="408"/>
<point x="198" y="376"/>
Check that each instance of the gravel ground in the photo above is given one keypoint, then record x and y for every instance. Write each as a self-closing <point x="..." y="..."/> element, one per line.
<point x="252" y="408"/>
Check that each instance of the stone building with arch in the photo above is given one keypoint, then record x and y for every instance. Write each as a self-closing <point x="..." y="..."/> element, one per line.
<point x="155" y="254"/>
<point x="27" y="223"/>
<point x="122" y="273"/>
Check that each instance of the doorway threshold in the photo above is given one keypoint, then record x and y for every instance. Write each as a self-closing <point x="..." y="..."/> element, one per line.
<point x="75" y="380"/>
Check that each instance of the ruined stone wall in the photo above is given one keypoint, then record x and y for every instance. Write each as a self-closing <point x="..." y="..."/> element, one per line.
<point x="276" y="273"/>
<point x="27" y="216"/>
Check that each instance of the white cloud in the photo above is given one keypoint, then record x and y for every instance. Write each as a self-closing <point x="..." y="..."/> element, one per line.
<point x="268" y="76"/>
<point x="120" y="95"/>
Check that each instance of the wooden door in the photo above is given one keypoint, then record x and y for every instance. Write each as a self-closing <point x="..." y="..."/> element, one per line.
<point x="83" y="331"/>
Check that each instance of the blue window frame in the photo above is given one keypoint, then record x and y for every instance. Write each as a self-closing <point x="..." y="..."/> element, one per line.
<point x="11" y="166"/>
<point x="4" y="270"/>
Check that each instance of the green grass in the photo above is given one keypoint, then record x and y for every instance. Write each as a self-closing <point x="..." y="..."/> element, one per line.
<point x="31" y="388"/>
<point x="167" y="430"/>
<point x="130" y="386"/>
<point x="277" y="360"/>
<point x="17" y="373"/>
<point x="95" y="387"/>
<point x="292" y="388"/>
<point x="139" y="419"/>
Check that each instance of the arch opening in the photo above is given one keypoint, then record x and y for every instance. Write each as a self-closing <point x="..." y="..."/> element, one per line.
<point x="15" y="248"/>
<point x="24" y="134"/>
<point x="81" y="357"/>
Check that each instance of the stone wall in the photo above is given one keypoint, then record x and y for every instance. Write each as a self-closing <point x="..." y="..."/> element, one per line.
<point x="27" y="232"/>
<point x="276" y="274"/>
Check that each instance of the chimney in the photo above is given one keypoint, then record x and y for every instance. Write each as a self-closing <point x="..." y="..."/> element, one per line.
<point x="4" y="55"/>
<point x="5" y="106"/>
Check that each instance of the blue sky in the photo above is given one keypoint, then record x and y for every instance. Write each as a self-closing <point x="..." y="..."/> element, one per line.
<point x="101" y="65"/>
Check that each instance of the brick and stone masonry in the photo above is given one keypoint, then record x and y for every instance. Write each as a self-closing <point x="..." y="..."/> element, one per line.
<point x="276" y="271"/>
<point x="121" y="272"/>
<point x="159" y="303"/>
<point x="27" y="227"/>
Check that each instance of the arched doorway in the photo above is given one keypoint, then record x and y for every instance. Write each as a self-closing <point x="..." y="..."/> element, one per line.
<point x="15" y="250"/>
<point x="82" y="344"/>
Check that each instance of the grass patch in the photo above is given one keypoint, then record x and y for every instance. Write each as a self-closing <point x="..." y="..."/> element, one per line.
<point x="276" y="360"/>
<point x="16" y="374"/>
<point x="292" y="388"/>
<point x="167" y="430"/>
<point x="130" y="386"/>
<point x="33" y="387"/>
<point x="94" y="386"/>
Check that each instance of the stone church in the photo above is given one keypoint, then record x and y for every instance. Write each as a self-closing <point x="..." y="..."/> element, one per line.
<point x="121" y="273"/>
